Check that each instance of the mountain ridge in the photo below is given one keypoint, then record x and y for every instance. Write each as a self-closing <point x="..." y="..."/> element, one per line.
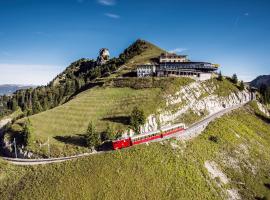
<point x="77" y="77"/>
<point x="260" y="80"/>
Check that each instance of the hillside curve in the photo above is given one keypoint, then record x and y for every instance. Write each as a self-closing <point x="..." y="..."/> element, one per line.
<point x="189" y="133"/>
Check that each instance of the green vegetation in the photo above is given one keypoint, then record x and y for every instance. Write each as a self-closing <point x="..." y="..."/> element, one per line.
<point x="79" y="76"/>
<point x="234" y="79"/>
<point x="145" y="53"/>
<point x="223" y="88"/>
<point x="92" y="138"/>
<point x="220" y="77"/>
<point x="239" y="144"/>
<point x="190" y="117"/>
<point x="28" y="133"/>
<point x="137" y="119"/>
<point x="241" y="86"/>
<point x="105" y="106"/>
<point x="265" y="93"/>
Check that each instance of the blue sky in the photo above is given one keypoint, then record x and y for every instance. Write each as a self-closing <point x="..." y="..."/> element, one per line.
<point x="40" y="38"/>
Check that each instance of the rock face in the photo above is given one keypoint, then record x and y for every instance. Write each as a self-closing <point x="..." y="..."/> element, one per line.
<point x="263" y="109"/>
<point x="104" y="56"/>
<point x="197" y="97"/>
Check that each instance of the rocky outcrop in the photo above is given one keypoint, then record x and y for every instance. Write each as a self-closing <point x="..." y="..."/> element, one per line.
<point x="263" y="109"/>
<point x="103" y="57"/>
<point x="198" y="97"/>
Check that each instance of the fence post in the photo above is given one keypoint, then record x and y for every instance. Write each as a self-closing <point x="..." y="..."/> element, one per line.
<point x="15" y="148"/>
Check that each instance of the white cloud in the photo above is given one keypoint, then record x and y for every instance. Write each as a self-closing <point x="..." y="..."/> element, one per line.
<point x="107" y="2"/>
<point x="111" y="15"/>
<point x="246" y="14"/>
<point x="178" y="50"/>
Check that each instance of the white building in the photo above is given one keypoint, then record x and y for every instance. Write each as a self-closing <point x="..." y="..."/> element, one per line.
<point x="146" y="70"/>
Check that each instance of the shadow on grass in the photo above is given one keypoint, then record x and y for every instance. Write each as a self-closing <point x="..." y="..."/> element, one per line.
<point x="105" y="146"/>
<point x="119" y="119"/>
<point x="264" y="118"/>
<point x="77" y="140"/>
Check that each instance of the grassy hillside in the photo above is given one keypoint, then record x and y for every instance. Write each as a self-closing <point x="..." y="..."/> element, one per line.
<point x="108" y="105"/>
<point x="148" y="53"/>
<point x="238" y="145"/>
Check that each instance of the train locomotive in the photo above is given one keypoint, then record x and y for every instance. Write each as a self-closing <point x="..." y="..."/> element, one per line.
<point x="147" y="137"/>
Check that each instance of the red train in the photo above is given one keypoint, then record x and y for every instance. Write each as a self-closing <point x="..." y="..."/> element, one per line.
<point x="138" y="139"/>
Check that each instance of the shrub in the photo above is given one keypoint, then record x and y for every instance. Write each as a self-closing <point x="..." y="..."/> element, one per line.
<point x="28" y="133"/>
<point x="213" y="138"/>
<point x="91" y="137"/>
<point x="107" y="134"/>
<point x="234" y="79"/>
<point x="137" y="119"/>
<point x="242" y="86"/>
<point x="220" y="77"/>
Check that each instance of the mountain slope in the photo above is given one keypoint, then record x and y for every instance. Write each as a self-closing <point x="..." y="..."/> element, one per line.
<point x="79" y="76"/>
<point x="103" y="105"/>
<point x="229" y="160"/>
<point x="164" y="101"/>
<point x="260" y="80"/>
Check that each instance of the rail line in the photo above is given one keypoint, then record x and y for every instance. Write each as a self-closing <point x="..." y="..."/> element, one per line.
<point x="190" y="132"/>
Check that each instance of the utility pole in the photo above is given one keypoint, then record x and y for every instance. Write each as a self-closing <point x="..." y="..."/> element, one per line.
<point x="15" y="148"/>
<point x="48" y="147"/>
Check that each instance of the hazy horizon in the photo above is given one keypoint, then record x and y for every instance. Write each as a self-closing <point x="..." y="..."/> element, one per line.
<point x="40" y="39"/>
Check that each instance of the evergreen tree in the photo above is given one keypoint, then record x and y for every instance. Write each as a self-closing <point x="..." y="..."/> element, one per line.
<point x="107" y="134"/>
<point x="28" y="133"/>
<point x="234" y="79"/>
<point x="242" y="86"/>
<point x="14" y="105"/>
<point x="265" y="93"/>
<point x="91" y="137"/>
<point x="220" y="77"/>
<point x="37" y="108"/>
<point x="137" y="119"/>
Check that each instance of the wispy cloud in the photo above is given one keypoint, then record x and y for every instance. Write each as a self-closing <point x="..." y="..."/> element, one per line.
<point x="111" y="15"/>
<point x="107" y="2"/>
<point x="178" y="50"/>
<point x="80" y="1"/>
<point x="237" y="19"/>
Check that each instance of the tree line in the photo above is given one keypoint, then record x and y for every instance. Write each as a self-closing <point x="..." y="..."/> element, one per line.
<point x="76" y="77"/>
<point x="265" y="93"/>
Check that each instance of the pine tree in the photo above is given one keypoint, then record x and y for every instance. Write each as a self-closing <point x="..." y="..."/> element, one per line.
<point x="14" y="105"/>
<point x="220" y="77"/>
<point x="242" y="86"/>
<point x="108" y="134"/>
<point x="137" y="119"/>
<point x="37" y="108"/>
<point x="234" y="79"/>
<point x="91" y="137"/>
<point x="28" y="133"/>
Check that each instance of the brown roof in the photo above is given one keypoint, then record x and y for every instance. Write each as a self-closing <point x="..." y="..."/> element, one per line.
<point x="172" y="55"/>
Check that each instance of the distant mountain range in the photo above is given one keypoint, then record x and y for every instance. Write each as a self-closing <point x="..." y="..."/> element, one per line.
<point x="8" y="89"/>
<point x="263" y="79"/>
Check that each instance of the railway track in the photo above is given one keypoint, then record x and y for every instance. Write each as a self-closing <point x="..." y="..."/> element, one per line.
<point x="190" y="132"/>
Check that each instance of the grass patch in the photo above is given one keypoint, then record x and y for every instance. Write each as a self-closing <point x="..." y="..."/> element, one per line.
<point x="223" y="88"/>
<point x="158" y="171"/>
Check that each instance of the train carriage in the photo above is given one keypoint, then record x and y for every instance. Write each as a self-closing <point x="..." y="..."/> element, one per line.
<point x="147" y="137"/>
